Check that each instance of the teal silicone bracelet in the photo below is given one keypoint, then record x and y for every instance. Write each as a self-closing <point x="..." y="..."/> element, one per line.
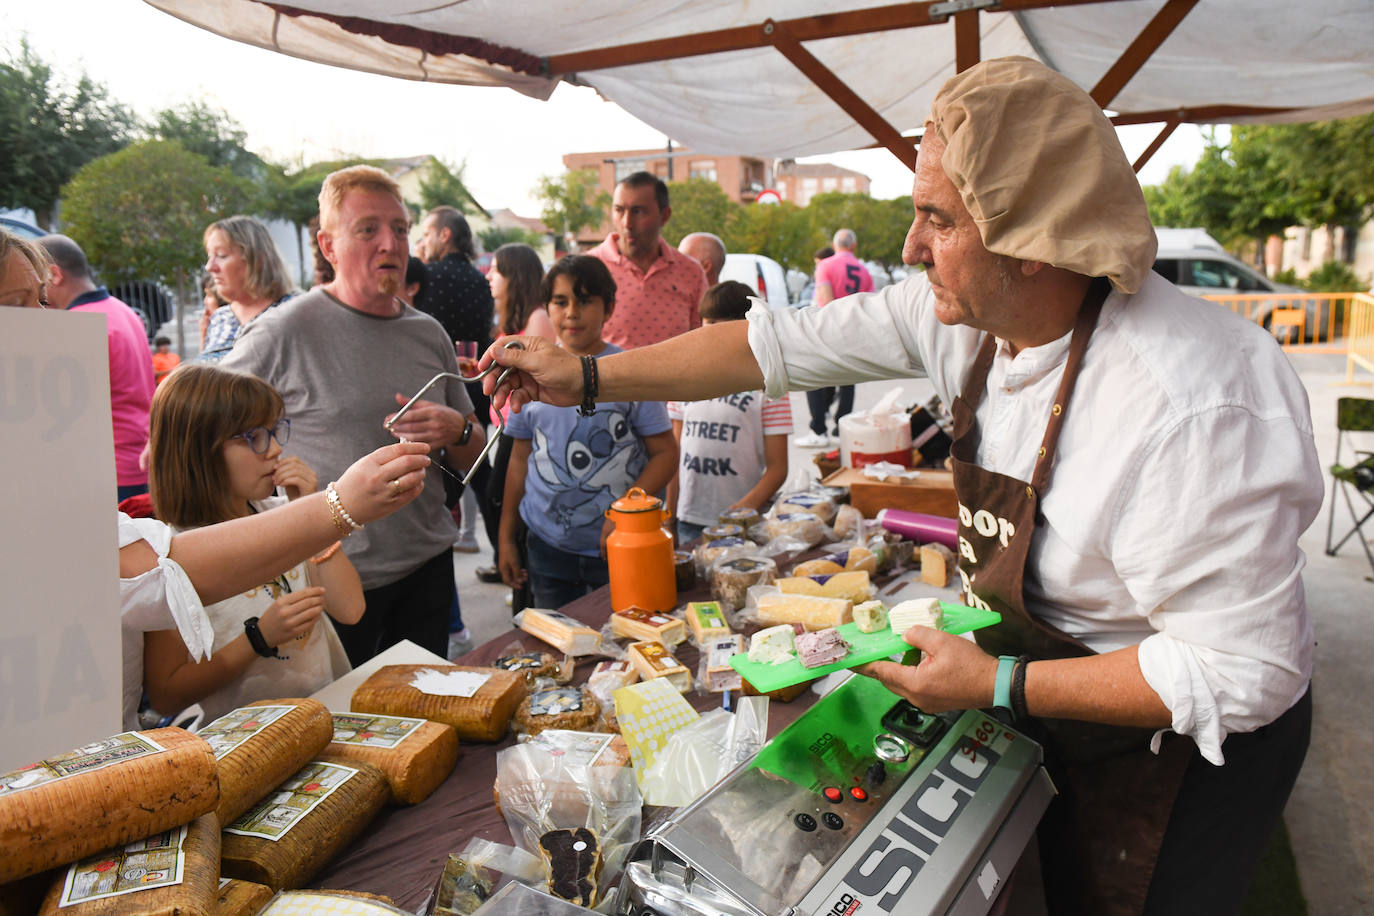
<point x="1001" y="690"/>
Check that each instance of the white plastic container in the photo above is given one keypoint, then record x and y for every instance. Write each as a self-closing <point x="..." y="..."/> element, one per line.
<point x="868" y="439"/>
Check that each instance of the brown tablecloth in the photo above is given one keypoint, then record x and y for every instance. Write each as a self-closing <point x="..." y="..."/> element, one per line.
<point x="403" y="851"/>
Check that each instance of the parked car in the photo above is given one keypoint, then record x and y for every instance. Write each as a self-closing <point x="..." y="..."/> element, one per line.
<point x="761" y="274"/>
<point x="1196" y="263"/>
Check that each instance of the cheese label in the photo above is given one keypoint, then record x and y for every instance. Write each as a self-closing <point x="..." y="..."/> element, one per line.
<point x="720" y="651"/>
<point x="519" y="662"/>
<point x="235" y="727"/>
<point x="555" y="701"/>
<point x="158" y="861"/>
<point x="274" y="816"/>
<point x="639" y="614"/>
<point x="84" y="759"/>
<point x="707" y="614"/>
<point x="367" y="730"/>
<point x="657" y="657"/>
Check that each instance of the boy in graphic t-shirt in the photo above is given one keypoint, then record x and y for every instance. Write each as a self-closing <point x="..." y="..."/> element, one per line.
<point x="733" y="449"/>
<point x="566" y="469"/>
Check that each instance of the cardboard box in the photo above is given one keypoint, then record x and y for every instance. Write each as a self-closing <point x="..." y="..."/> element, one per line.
<point x="932" y="492"/>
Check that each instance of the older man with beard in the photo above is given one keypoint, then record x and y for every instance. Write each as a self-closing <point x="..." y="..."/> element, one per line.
<point x="344" y="356"/>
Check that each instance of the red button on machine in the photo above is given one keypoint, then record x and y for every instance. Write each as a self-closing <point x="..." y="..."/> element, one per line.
<point x="833" y="794"/>
<point x="858" y="794"/>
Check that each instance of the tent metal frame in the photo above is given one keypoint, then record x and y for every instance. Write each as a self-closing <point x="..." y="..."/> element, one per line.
<point x="788" y="37"/>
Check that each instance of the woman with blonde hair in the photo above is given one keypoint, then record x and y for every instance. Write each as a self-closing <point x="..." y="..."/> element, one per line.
<point x="215" y="455"/>
<point x="248" y="273"/>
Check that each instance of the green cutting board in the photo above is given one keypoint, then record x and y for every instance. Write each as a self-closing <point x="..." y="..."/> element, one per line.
<point x="866" y="647"/>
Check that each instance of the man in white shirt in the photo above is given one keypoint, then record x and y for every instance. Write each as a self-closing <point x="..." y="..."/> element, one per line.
<point x="1156" y="584"/>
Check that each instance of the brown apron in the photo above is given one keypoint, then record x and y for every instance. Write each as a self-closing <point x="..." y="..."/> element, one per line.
<point x="1100" y="839"/>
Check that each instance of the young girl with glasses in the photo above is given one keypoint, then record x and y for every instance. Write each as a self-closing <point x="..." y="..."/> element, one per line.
<point x="215" y="454"/>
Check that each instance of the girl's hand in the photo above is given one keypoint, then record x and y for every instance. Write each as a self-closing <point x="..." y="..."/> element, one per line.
<point x="378" y="484"/>
<point x="296" y="477"/>
<point x="292" y="615"/>
<point x="509" y="563"/>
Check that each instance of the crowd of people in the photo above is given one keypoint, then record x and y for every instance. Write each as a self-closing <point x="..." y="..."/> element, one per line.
<point x="1165" y="671"/>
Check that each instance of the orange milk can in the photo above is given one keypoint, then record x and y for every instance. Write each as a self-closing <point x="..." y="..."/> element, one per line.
<point x="639" y="554"/>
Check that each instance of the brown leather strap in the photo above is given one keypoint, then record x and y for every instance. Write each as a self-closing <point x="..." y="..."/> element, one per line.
<point x="1078" y="345"/>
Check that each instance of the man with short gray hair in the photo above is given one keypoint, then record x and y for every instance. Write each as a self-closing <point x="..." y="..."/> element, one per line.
<point x="706" y="249"/>
<point x="72" y="286"/>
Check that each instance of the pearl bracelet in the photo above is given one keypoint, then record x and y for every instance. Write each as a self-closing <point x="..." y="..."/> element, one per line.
<point x="341" y="516"/>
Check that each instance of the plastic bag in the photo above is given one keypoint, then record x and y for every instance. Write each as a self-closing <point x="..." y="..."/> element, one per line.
<point x="535" y="664"/>
<point x="732" y="575"/>
<point x="818" y="504"/>
<point x="699" y="755"/>
<point x="561" y="780"/>
<point x="804" y="526"/>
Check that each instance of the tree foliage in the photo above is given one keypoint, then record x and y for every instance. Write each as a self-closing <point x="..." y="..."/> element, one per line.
<point x="493" y="237"/>
<point x="442" y="186"/>
<point x="572" y="201"/>
<point x="51" y="130"/>
<point x="140" y="213"/>
<point x="699" y="205"/>
<point x="212" y="133"/>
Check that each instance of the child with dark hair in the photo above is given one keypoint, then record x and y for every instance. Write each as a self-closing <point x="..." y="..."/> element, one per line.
<point x="732" y="449"/>
<point x="164" y="360"/>
<point x="566" y="469"/>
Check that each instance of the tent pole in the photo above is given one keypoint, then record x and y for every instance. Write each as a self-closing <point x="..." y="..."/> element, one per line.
<point x="840" y="94"/>
<point x="967" y="47"/>
<point x="1145" y="44"/>
<point x="1153" y="148"/>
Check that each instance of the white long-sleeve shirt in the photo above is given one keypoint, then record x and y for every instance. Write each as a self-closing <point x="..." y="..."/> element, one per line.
<point x="1186" y="471"/>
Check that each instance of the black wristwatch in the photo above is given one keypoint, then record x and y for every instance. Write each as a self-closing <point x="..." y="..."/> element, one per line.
<point x="466" y="434"/>
<point x="256" y="639"/>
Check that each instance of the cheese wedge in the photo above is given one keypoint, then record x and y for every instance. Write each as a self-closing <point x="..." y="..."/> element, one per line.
<point x="651" y="660"/>
<point x="870" y="616"/>
<point x="812" y="612"/>
<point x="854" y="586"/>
<point x="647" y="626"/>
<point x="937" y="564"/>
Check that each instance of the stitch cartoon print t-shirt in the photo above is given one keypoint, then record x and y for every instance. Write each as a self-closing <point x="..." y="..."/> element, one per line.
<point x="580" y="465"/>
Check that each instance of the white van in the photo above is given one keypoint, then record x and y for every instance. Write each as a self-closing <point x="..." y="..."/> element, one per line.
<point x="761" y="274"/>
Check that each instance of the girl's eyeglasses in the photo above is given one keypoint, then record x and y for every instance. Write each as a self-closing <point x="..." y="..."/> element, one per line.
<point x="259" y="438"/>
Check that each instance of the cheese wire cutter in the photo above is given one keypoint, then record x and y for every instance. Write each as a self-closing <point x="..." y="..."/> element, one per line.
<point x="500" y="423"/>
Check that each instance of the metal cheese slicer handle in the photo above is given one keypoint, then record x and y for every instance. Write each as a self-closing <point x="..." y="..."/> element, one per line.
<point x="500" y="423"/>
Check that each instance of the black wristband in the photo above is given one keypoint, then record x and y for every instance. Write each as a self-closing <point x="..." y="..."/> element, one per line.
<point x="1018" y="688"/>
<point x="256" y="639"/>
<point x="466" y="434"/>
<point x="590" y="384"/>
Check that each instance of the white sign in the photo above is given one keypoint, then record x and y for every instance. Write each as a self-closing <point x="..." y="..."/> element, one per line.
<point x="60" y="664"/>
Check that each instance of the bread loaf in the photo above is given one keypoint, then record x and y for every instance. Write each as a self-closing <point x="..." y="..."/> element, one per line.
<point x="484" y="714"/>
<point x="259" y="745"/>
<point x="171" y="873"/>
<point x="241" y="898"/>
<point x="415" y="755"/>
<point x="289" y="836"/>
<point x="102" y="795"/>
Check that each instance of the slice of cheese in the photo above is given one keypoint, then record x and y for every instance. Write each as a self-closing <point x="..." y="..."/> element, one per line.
<point x="560" y="631"/>
<point x="937" y="565"/>
<point x="773" y="646"/>
<point x="870" y="616"/>
<point x="854" y="586"/>
<point x="652" y="661"/>
<point x="647" y="626"/>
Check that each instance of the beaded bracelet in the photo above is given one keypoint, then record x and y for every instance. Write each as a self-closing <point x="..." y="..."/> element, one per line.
<point x="328" y="553"/>
<point x="331" y="494"/>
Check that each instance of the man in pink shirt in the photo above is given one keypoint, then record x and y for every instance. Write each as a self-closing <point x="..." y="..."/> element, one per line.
<point x="73" y="287"/>
<point x="841" y="274"/>
<point x="657" y="288"/>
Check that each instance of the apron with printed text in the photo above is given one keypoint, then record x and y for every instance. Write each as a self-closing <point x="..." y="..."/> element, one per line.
<point x="1100" y="838"/>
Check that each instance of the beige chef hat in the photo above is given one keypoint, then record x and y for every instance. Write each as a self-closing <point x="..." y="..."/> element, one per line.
<point x="1039" y="167"/>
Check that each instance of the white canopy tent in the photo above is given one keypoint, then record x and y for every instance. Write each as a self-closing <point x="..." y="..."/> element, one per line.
<point x="788" y="78"/>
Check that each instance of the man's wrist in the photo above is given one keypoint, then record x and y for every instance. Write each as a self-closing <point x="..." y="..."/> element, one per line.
<point x="466" y="435"/>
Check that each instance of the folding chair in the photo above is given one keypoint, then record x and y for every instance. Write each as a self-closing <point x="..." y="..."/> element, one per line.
<point x="1357" y="480"/>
